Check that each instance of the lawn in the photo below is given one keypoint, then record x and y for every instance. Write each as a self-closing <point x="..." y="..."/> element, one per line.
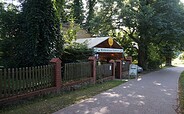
<point x="181" y="93"/>
<point x="52" y="103"/>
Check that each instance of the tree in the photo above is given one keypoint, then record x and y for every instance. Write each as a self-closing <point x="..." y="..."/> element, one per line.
<point x="172" y="31"/>
<point x="74" y="52"/>
<point x="147" y="22"/>
<point x="78" y="12"/>
<point x="90" y="13"/>
<point x="138" y="21"/>
<point x="102" y="22"/>
<point x="41" y="35"/>
<point x="9" y="34"/>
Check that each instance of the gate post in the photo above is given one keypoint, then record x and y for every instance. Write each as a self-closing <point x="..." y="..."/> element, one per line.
<point x="113" y="68"/>
<point x="93" y="62"/>
<point x="119" y="69"/>
<point x="57" y="72"/>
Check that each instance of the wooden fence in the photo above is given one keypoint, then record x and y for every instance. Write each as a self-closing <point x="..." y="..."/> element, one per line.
<point x="16" y="81"/>
<point x="77" y="71"/>
<point x="125" y="66"/>
<point x="104" y="70"/>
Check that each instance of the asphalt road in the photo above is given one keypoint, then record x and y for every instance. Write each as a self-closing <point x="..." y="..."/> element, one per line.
<point x="153" y="93"/>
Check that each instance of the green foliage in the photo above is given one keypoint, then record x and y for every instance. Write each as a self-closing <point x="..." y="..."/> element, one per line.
<point x="9" y="34"/>
<point x="76" y="53"/>
<point x="30" y="37"/>
<point x="130" y="47"/>
<point x="71" y="9"/>
<point x="102" y="22"/>
<point x="181" y="57"/>
<point x="90" y="14"/>
<point x="71" y="32"/>
<point x="144" y="23"/>
<point x="78" y="11"/>
<point x="155" y="59"/>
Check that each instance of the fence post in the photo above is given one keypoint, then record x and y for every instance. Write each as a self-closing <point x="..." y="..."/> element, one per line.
<point x="93" y="61"/>
<point x="57" y="72"/>
<point x="119" y="69"/>
<point x="113" y="68"/>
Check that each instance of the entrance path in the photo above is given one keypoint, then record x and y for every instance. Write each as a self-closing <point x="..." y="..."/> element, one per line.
<point x="153" y="93"/>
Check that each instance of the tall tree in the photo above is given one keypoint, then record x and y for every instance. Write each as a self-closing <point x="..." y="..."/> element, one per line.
<point x="9" y="34"/>
<point x="172" y="31"/>
<point x="104" y="15"/>
<point x="41" y="32"/>
<point x="90" y="13"/>
<point x="137" y="21"/>
<point x="145" y="24"/>
<point x="78" y="12"/>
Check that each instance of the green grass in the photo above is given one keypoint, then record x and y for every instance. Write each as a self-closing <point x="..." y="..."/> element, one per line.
<point x="54" y="103"/>
<point x="181" y="93"/>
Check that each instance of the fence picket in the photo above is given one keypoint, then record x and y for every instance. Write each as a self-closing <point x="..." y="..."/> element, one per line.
<point x="8" y="83"/>
<point x="1" y="83"/>
<point x="24" y="79"/>
<point x="76" y="71"/>
<point x="30" y="78"/>
<point x="20" y="83"/>
<point x="5" y="83"/>
<point x="45" y="77"/>
<point x="39" y="77"/>
<point x="47" y="73"/>
<point x="27" y="79"/>
<point x="17" y="81"/>
<point x="36" y="78"/>
<point x="13" y="82"/>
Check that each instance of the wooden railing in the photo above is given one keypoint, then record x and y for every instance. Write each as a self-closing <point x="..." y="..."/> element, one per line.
<point x="77" y="71"/>
<point x="104" y="70"/>
<point x="16" y="81"/>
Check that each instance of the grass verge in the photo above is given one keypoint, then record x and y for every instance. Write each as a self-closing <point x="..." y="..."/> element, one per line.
<point x="50" y="103"/>
<point x="181" y="93"/>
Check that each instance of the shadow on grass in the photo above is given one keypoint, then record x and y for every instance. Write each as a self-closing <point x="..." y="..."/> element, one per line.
<point x="51" y="103"/>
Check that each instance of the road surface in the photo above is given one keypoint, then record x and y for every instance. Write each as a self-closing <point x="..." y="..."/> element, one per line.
<point x="153" y="93"/>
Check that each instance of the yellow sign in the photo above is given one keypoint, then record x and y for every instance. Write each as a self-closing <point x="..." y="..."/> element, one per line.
<point x="110" y="41"/>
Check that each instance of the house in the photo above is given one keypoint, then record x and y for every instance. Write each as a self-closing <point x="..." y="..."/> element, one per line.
<point x="105" y="48"/>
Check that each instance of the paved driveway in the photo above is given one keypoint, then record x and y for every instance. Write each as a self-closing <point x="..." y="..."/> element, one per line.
<point x="153" y="93"/>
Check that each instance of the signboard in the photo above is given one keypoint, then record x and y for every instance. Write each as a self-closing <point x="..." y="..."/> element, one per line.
<point x="110" y="41"/>
<point x="133" y="70"/>
<point x="108" y="50"/>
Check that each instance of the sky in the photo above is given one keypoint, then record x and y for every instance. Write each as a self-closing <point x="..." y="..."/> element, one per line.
<point x="182" y="1"/>
<point x="16" y="1"/>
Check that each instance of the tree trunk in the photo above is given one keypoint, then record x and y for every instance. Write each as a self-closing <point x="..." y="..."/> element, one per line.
<point x="142" y="56"/>
<point x="168" y="61"/>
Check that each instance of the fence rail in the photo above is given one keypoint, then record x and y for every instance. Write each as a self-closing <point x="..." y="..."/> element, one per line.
<point x="77" y="71"/>
<point x="17" y="81"/>
<point x="104" y="70"/>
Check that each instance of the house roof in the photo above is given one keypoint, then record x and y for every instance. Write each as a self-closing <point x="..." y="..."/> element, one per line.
<point x="91" y="42"/>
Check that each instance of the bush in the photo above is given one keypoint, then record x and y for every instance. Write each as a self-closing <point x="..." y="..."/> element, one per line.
<point x="76" y="53"/>
<point x="181" y="57"/>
